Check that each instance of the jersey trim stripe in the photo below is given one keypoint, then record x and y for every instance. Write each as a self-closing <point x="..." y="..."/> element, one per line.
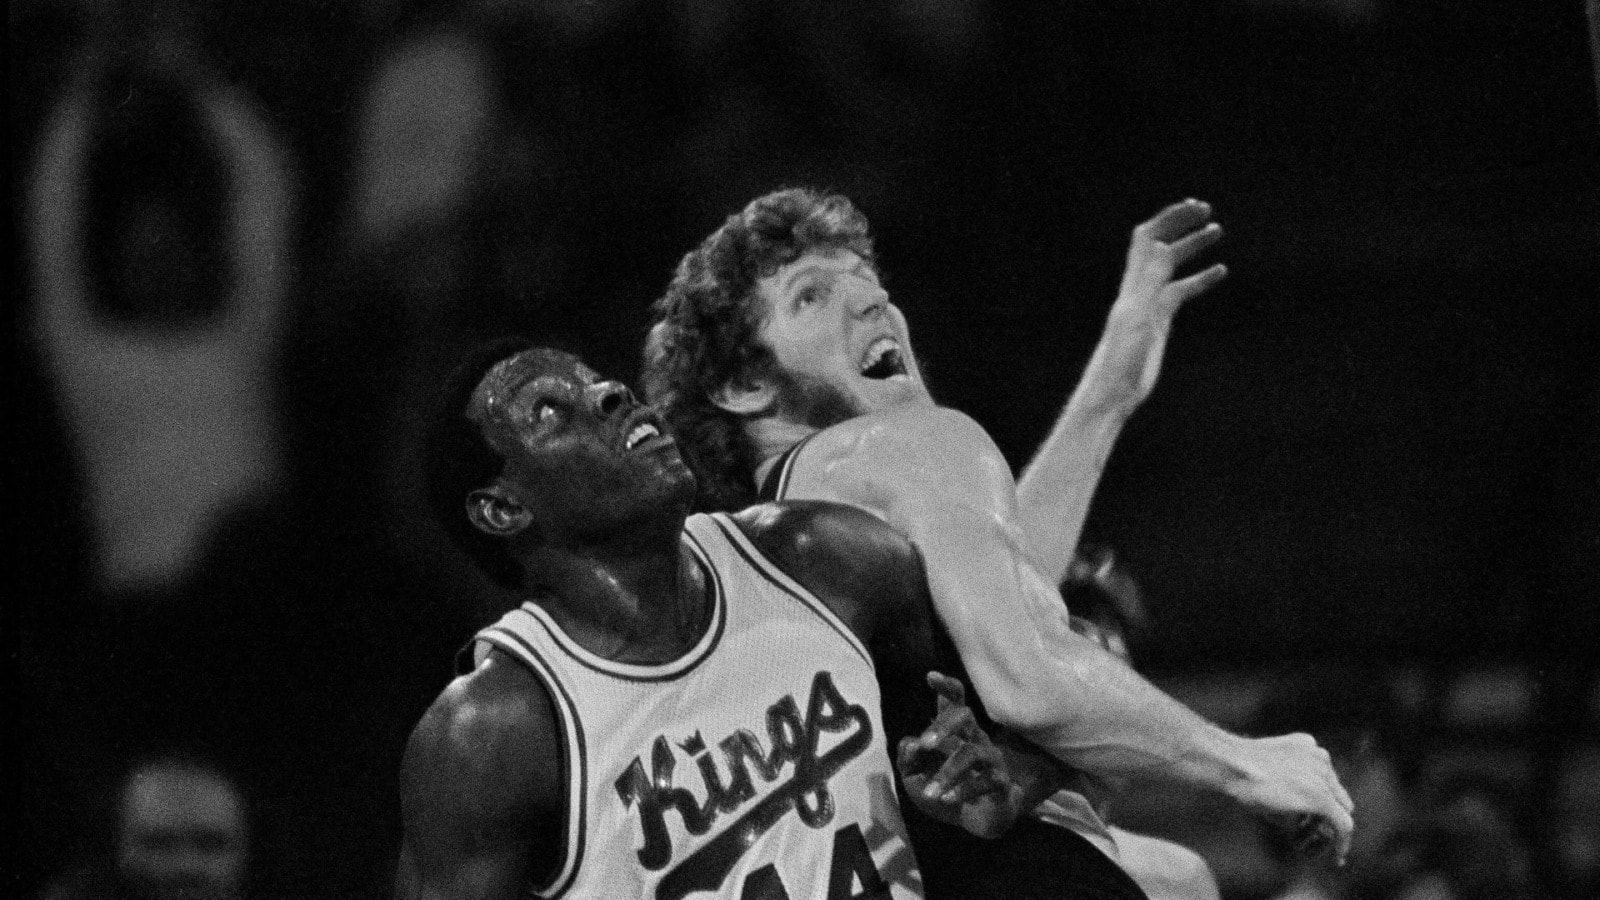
<point x="777" y="481"/>
<point x="646" y="672"/>
<point x="782" y="581"/>
<point x="573" y="747"/>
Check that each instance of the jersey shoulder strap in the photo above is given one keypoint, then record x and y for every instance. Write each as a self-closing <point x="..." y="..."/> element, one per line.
<point x="776" y="484"/>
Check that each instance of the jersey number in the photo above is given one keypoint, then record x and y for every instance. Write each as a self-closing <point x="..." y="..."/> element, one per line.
<point x="852" y="866"/>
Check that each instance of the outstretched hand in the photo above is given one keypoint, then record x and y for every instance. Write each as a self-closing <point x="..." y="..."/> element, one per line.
<point x="954" y="772"/>
<point x="1151" y="293"/>
<point x="1161" y="246"/>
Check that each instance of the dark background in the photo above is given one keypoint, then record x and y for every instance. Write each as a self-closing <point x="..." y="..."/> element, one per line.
<point x="1376" y="442"/>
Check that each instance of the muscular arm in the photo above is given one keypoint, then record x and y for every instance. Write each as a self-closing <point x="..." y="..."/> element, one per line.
<point x="935" y="476"/>
<point x="1056" y="487"/>
<point x="872" y="577"/>
<point x="481" y="789"/>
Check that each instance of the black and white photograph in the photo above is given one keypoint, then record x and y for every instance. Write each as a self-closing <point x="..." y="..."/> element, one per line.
<point x="779" y="449"/>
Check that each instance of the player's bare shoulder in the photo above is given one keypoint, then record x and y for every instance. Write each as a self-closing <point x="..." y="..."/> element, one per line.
<point x="489" y="738"/>
<point x="841" y="553"/>
<point x="881" y="459"/>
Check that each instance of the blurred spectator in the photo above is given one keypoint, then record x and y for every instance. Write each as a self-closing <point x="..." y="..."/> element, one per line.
<point x="420" y="133"/>
<point x="1466" y="848"/>
<point x="495" y="153"/>
<point x="180" y="830"/>
<point x="158" y="214"/>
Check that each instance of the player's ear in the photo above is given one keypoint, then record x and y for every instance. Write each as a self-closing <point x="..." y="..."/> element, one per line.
<point x="494" y="511"/>
<point x="746" y="395"/>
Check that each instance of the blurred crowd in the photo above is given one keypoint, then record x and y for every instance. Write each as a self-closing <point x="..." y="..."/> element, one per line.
<point x="252" y="238"/>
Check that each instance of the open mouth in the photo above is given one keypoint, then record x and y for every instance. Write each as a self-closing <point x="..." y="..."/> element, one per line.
<point x="641" y="432"/>
<point x="883" y="360"/>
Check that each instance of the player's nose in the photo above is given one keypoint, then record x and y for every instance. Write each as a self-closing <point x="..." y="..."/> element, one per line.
<point x="869" y="301"/>
<point x="610" y="397"/>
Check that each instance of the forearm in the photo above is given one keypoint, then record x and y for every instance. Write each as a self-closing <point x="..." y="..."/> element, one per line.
<point x="1057" y="486"/>
<point x="1038" y="677"/>
<point x="1090" y="710"/>
<point x="1094" y="712"/>
<point x="261" y="208"/>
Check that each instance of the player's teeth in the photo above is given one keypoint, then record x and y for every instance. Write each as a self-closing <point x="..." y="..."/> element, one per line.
<point x="877" y="351"/>
<point x="640" y="433"/>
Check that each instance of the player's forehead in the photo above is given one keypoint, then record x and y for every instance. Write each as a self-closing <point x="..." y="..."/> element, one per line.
<point x="540" y="370"/>
<point x="822" y="262"/>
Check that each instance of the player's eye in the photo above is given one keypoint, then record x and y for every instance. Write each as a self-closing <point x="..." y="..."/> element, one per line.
<point x="544" y="412"/>
<point x="810" y="295"/>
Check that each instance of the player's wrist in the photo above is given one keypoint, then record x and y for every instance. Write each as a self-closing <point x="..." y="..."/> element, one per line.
<point x="1222" y="762"/>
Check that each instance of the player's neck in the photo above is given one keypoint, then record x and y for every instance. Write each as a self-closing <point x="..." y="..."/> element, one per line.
<point x="624" y="604"/>
<point x="772" y="435"/>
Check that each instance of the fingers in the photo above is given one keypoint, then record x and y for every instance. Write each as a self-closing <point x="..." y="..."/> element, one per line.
<point x="949" y="690"/>
<point x="1315" y="834"/>
<point x="967" y="773"/>
<point x="1345" y="827"/>
<point x="1195" y="243"/>
<point x="1184" y="290"/>
<point x="950" y="694"/>
<point x="1174" y="222"/>
<point x="905" y="757"/>
<point x="1312" y="835"/>
<point x="953" y="726"/>
<point x="1162" y="246"/>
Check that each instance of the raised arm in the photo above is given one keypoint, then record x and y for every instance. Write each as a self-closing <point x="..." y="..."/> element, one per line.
<point x="1056" y="487"/>
<point x="480" y="789"/>
<point x="260" y="198"/>
<point x="938" y="478"/>
<point x="260" y="188"/>
<point x="261" y="213"/>
<point x="56" y="204"/>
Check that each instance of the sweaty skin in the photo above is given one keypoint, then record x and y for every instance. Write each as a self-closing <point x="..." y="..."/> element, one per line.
<point x="483" y="786"/>
<point x="590" y="499"/>
<point x="936" y="476"/>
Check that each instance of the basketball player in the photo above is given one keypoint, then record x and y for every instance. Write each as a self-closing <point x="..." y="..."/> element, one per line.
<point x="778" y="359"/>
<point x="676" y="707"/>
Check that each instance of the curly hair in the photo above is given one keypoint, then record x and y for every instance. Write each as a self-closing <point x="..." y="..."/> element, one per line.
<point x="706" y="327"/>
<point x="458" y="461"/>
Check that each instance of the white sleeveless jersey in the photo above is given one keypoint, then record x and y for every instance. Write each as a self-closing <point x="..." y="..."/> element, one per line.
<point x="754" y="767"/>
